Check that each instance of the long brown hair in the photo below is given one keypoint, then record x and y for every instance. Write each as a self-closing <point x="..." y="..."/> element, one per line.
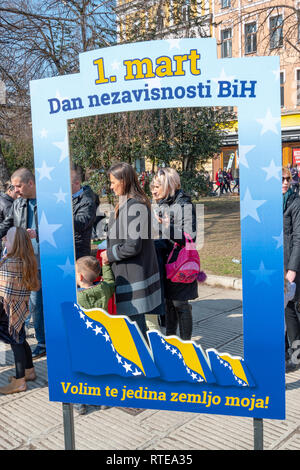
<point x="132" y="188"/>
<point x="22" y="249"/>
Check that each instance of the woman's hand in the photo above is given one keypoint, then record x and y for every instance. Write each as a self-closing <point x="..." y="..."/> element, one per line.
<point x="290" y="275"/>
<point x="31" y="232"/>
<point x="104" y="257"/>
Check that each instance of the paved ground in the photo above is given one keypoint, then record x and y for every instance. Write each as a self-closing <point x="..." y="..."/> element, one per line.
<point x="29" y="421"/>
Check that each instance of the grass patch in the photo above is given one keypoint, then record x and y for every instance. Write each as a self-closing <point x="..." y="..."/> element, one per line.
<point x="222" y="237"/>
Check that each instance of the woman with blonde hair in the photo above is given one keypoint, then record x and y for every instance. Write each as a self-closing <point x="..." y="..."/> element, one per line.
<point x="176" y="215"/>
<point x="18" y="277"/>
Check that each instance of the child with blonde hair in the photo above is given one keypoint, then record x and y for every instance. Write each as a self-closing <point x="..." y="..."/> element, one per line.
<point x="18" y="277"/>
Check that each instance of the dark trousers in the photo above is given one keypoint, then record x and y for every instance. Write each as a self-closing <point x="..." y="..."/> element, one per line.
<point x="179" y="313"/>
<point x="23" y="358"/>
<point x="292" y="325"/>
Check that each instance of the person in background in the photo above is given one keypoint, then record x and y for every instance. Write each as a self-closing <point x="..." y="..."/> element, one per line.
<point x="23" y="213"/>
<point x="130" y="249"/>
<point x="6" y="200"/>
<point x="18" y="278"/>
<point x="236" y="176"/>
<point x="229" y="179"/>
<point x="295" y="179"/>
<point x="291" y="242"/>
<point x="84" y="213"/>
<point x="177" y="215"/>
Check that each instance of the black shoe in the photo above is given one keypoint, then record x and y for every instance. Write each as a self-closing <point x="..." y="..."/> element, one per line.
<point x="81" y="409"/>
<point x="290" y="366"/>
<point x="38" y="352"/>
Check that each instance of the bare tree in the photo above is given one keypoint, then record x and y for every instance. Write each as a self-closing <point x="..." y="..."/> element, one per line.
<point x="40" y="38"/>
<point x="286" y="30"/>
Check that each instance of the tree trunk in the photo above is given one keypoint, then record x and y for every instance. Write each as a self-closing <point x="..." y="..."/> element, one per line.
<point x="4" y="174"/>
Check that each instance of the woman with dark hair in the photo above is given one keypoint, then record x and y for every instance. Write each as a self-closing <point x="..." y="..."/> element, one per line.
<point x="130" y="249"/>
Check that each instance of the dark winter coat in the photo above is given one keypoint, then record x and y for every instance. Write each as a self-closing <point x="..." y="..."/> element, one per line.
<point x="17" y="216"/>
<point x="84" y="214"/>
<point x="5" y="204"/>
<point x="182" y="215"/>
<point x="291" y="238"/>
<point x="131" y="252"/>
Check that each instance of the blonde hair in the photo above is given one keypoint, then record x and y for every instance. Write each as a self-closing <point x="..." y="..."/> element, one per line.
<point x="89" y="266"/>
<point x="286" y="171"/>
<point x="168" y="179"/>
<point x="22" y="249"/>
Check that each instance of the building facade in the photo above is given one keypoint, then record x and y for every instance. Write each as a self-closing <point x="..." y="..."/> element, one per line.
<point x="242" y="28"/>
<point x="249" y="28"/>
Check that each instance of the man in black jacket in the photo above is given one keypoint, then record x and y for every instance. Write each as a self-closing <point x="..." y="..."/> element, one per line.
<point x="84" y="213"/>
<point x="23" y="213"/>
<point x="291" y="241"/>
<point x="6" y="200"/>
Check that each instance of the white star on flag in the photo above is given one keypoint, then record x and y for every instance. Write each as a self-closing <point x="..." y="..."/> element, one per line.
<point x="60" y="196"/>
<point x="89" y="324"/>
<point x="249" y="206"/>
<point x="119" y="358"/>
<point x="106" y="336"/>
<point x="262" y="274"/>
<point x="269" y="123"/>
<point x="127" y="367"/>
<point x="243" y="150"/>
<point x="154" y="83"/>
<point x="46" y="230"/>
<point x="279" y="240"/>
<point x="59" y="97"/>
<point x="43" y="133"/>
<point x="276" y="74"/>
<point x="67" y="268"/>
<point x="115" y="65"/>
<point x="174" y="43"/>
<point x="272" y="171"/>
<point x="63" y="147"/>
<point x="45" y="171"/>
<point x="81" y="315"/>
<point x="97" y="330"/>
<point x="223" y="77"/>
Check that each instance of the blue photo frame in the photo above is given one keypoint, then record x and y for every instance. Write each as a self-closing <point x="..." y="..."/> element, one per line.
<point x="132" y="77"/>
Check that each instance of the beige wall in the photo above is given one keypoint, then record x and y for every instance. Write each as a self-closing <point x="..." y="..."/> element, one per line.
<point x="242" y="12"/>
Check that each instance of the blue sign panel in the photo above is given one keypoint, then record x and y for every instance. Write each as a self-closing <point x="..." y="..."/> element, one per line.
<point x="94" y="358"/>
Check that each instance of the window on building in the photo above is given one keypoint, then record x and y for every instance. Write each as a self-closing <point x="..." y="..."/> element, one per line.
<point x="225" y="3"/>
<point x="226" y="43"/>
<point x="250" y="38"/>
<point x="282" y="89"/>
<point x="298" y="86"/>
<point x="276" y="32"/>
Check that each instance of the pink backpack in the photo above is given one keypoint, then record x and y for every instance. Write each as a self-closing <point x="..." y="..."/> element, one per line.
<point x="186" y="268"/>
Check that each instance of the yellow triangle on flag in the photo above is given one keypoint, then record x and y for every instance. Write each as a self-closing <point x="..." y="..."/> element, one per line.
<point x="236" y="365"/>
<point x="119" y="333"/>
<point x="189" y="354"/>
